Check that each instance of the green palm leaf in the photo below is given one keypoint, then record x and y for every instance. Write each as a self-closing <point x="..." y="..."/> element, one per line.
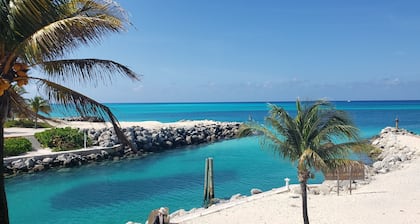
<point x="82" y="70"/>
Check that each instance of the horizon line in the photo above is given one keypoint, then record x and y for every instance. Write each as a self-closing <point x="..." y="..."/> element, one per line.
<point x="258" y="101"/>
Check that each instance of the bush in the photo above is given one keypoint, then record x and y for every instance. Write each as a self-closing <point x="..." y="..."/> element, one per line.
<point x="25" y="123"/>
<point x="62" y="139"/>
<point x="16" y="146"/>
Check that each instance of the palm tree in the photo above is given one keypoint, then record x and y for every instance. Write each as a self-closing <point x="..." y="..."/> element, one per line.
<point x="308" y="139"/>
<point x="38" y="104"/>
<point x="14" y="112"/>
<point x="38" y="35"/>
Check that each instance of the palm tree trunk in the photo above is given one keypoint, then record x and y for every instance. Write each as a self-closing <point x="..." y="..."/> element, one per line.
<point x="303" y="187"/>
<point x="4" y="108"/>
<point x="36" y="120"/>
<point x="304" y="175"/>
<point x="4" y="214"/>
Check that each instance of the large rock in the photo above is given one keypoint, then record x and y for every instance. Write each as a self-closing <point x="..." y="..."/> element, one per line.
<point x="30" y="163"/>
<point x="47" y="160"/>
<point x="256" y="191"/>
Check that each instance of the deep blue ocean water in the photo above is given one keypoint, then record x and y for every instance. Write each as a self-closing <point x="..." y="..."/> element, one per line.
<point x="116" y="192"/>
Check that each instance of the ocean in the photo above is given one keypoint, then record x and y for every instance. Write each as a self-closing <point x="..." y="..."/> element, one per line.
<point x="117" y="192"/>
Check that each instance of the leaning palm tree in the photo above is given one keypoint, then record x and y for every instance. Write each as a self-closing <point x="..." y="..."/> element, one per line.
<point x="38" y="35"/>
<point x="309" y="139"/>
<point x="38" y="104"/>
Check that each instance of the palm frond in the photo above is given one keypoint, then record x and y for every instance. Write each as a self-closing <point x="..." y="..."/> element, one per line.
<point x="85" y="70"/>
<point x="285" y="125"/>
<point x="58" y="38"/>
<point x="46" y="30"/>
<point x="338" y="123"/>
<point x="268" y="139"/>
<point x="83" y="105"/>
<point x="311" y="159"/>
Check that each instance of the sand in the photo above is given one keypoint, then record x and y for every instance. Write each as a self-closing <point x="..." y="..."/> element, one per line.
<point x="393" y="197"/>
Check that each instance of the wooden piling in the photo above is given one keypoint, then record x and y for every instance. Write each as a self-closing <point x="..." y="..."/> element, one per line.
<point x="208" y="182"/>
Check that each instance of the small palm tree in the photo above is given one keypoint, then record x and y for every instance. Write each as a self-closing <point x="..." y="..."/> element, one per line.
<point x="38" y="104"/>
<point x="309" y="139"/>
<point x="14" y="111"/>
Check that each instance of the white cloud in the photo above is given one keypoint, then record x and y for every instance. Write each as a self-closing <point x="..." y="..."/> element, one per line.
<point x="392" y="81"/>
<point x="138" y="88"/>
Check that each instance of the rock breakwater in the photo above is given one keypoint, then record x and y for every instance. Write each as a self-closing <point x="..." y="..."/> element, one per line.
<point x="107" y="145"/>
<point x="152" y="140"/>
<point x="393" y="150"/>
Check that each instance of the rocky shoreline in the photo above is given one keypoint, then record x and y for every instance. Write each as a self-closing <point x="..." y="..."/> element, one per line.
<point x="145" y="140"/>
<point x="393" y="153"/>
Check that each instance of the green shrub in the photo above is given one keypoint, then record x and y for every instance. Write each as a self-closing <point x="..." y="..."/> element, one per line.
<point x="62" y="139"/>
<point x="25" y="123"/>
<point x="16" y="146"/>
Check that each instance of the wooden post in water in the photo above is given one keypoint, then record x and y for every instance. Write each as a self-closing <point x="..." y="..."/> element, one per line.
<point x="396" y="122"/>
<point x="206" y="168"/>
<point x="208" y="182"/>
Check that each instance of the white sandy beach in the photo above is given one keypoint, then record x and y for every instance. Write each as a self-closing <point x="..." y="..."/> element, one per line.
<point x="393" y="197"/>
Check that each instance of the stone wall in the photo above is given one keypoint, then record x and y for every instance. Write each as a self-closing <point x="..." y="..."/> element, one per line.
<point x="146" y="140"/>
<point x="107" y="146"/>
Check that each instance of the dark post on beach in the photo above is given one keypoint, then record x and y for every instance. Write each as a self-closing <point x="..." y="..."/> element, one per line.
<point x="396" y="122"/>
<point x="208" y="182"/>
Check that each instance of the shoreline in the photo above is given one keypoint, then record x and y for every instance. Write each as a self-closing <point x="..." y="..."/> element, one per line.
<point x="390" y="196"/>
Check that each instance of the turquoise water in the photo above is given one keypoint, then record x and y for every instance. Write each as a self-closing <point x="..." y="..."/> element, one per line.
<point x="369" y="116"/>
<point x="128" y="190"/>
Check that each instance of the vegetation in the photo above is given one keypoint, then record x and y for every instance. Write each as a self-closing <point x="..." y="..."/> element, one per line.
<point x="38" y="104"/>
<point x="372" y="151"/>
<point x="25" y="123"/>
<point x="16" y="146"/>
<point x="38" y="35"/>
<point x="62" y="139"/>
<point x="14" y="109"/>
<point x="308" y="139"/>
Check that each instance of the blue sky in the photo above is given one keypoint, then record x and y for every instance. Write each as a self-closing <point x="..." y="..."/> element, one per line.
<point x="225" y="50"/>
